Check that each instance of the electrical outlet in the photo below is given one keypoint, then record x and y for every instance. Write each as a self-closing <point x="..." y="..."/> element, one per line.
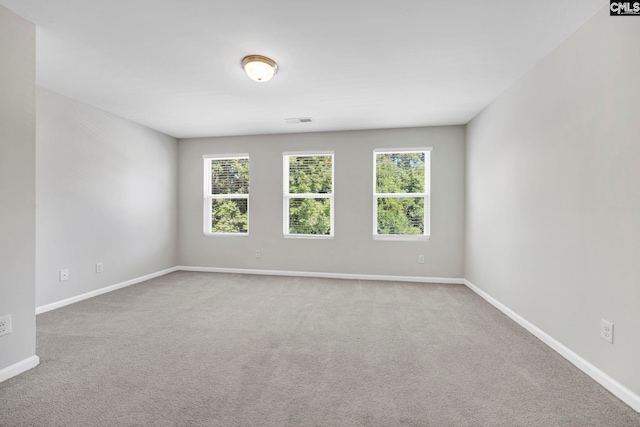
<point x="99" y="267"/>
<point x="257" y="253"/>
<point x="606" y="330"/>
<point x="64" y="274"/>
<point x="420" y="259"/>
<point x="5" y="325"/>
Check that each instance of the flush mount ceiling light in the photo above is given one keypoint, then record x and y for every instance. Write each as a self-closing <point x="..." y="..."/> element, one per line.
<point x="259" y="68"/>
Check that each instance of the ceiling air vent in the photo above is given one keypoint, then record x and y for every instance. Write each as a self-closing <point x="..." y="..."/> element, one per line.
<point x="299" y="120"/>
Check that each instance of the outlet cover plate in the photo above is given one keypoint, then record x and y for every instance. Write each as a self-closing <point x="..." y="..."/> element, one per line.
<point x="606" y="330"/>
<point x="5" y="325"/>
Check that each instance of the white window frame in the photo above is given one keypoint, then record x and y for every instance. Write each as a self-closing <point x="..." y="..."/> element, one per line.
<point x="208" y="197"/>
<point x="287" y="196"/>
<point x="426" y="194"/>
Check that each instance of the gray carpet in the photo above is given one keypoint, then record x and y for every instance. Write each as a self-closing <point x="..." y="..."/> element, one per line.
<point x="203" y="349"/>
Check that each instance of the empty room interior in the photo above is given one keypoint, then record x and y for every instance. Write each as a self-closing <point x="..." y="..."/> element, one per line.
<point x="349" y="213"/>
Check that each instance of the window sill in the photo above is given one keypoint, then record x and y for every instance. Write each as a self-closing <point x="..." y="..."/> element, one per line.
<point x="392" y="237"/>
<point x="225" y="234"/>
<point x="307" y="236"/>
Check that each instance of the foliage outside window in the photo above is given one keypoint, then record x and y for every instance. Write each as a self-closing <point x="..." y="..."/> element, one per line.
<point x="226" y="194"/>
<point x="401" y="193"/>
<point x="308" y="194"/>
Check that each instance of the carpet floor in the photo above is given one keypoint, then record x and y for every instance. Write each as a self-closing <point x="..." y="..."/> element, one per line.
<point x="206" y="349"/>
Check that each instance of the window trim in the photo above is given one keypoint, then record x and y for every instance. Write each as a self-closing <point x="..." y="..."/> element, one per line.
<point x="208" y="197"/>
<point x="287" y="196"/>
<point x="426" y="195"/>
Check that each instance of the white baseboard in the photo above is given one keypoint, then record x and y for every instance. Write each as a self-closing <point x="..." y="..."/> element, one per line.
<point x="53" y="306"/>
<point x="18" y="368"/>
<point x="349" y="276"/>
<point x="620" y="391"/>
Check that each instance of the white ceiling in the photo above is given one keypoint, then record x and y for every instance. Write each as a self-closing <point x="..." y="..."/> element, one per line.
<point x="174" y="65"/>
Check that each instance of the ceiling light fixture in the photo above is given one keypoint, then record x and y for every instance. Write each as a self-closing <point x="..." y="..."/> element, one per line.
<point x="259" y="68"/>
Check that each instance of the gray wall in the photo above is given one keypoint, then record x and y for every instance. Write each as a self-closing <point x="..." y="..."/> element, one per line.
<point x="353" y="249"/>
<point x="17" y="186"/>
<point x="553" y="195"/>
<point x="106" y="191"/>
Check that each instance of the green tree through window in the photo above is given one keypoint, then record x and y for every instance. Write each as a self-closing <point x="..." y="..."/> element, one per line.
<point x="227" y="195"/>
<point x="308" y="194"/>
<point x="401" y="193"/>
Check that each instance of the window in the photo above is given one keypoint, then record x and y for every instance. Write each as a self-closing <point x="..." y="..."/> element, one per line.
<point x="226" y="194"/>
<point x="401" y="193"/>
<point x="308" y="194"/>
